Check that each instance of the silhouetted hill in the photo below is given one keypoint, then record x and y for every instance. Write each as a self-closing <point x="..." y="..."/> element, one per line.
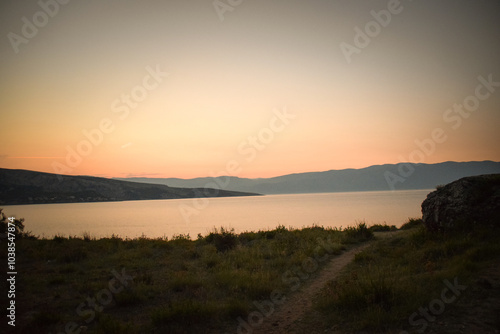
<point x="29" y="187"/>
<point x="381" y="177"/>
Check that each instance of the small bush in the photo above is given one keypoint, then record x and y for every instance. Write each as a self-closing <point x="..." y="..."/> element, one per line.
<point x="59" y="238"/>
<point x="177" y="237"/>
<point x="357" y="233"/>
<point x="87" y="237"/>
<point x="223" y="239"/>
<point x="4" y="225"/>
<point x="382" y="228"/>
<point x="411" y="223"/>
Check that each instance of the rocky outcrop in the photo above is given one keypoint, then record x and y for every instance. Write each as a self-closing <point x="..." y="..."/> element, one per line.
<point x="464" y="204"/>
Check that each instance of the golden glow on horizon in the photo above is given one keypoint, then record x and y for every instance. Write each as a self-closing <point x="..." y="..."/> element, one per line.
<point x="171" y="91"/>
<point x="35" y="157"/>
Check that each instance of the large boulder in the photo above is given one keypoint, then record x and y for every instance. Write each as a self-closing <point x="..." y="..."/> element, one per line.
<point x="464" y="204"/>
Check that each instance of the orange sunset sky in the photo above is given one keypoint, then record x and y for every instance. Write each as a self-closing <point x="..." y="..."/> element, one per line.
<point x="253" y="88"/>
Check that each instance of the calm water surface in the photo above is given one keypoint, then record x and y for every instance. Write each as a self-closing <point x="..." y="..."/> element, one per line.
<point x="169" y="217"/>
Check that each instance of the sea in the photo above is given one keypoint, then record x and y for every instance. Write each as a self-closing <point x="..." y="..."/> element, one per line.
<point x="169" y="218"/>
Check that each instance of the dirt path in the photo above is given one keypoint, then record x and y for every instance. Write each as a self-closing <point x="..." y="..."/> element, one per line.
<point x="282" y="321"/>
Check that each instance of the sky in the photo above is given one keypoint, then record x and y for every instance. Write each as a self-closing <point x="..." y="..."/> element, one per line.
<point x="249" y="88"/>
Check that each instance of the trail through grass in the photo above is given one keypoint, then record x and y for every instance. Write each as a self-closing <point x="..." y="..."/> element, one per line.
<point x="176" y="286"/>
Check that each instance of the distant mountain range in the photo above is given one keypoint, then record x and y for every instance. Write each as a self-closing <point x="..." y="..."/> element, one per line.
<point x="403" y="176"/>
<point x="29" y="187"/>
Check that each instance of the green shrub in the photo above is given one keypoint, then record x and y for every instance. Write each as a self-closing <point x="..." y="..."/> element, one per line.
<point x="4" y="225"/>
<point x="411" y="223"/>
<point x="59" y="238"/>
<point x="357" y="233"/>
<point x="223" y="239"/>
<point x="87" y="237"/>
<point x="176" y="237"/>
<point x="382" y="228"/>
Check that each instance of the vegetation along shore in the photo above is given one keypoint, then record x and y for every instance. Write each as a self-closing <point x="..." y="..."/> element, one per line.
<point x="234" y="283"/>
<point x="360" y="279"/>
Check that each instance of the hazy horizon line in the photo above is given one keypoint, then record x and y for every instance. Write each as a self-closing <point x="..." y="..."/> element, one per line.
<point x="159" y="175"/>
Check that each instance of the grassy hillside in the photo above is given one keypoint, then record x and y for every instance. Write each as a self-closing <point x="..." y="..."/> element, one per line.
<point x="166" y="286"/>
<point x="397" y="284"/>
<point x="28" y="187"/>
<point x="218" y="282"/>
